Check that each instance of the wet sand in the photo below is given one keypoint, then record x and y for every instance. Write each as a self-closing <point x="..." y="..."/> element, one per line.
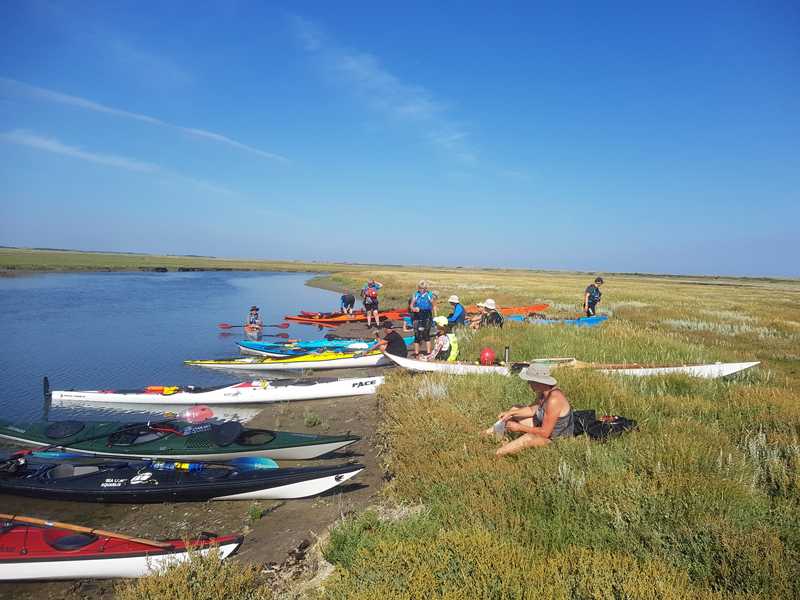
<point x="269" y="541"/>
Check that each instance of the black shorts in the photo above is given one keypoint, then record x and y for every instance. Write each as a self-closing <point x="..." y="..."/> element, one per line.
<point x="370" y="307"/>
<point x="590" y="310"/>
<point x="421" y="323"/>
<point x="348" y="301"/>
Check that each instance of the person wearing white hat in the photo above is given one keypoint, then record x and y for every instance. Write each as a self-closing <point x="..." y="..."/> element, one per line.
<point x="489" y="317"/>
<point x="550" y="416"/>
<point x="459" y="314"/>
<point x="446" y="345"/>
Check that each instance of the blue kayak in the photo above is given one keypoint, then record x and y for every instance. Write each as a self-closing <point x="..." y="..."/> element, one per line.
<point x="584" y="322"/>
<point x="277" y="350"/>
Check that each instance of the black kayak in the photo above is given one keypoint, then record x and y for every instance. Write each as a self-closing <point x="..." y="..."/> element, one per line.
<point x="140" y="481"/>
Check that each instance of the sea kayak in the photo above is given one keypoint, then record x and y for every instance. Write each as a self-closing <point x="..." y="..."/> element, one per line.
<point x="515" y="310"/>
<point x="141" y="481"/>
<point x="31" y="552"/>
<point x="582" y="322"/>
<point x="708" y="370"/>
<point x="341" y="319"/>
<point x="317" y="360"/>
<point x="455" y="367"/>
<point x="283" y="350"/>
<point x="173" y="440"/>
<point x="247" y="392"/>
<point x="253" y="333"/>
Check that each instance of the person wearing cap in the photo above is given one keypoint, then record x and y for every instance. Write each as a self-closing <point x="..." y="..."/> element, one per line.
<point x="370" y="296"/>
<point x="459" y="314"/>
<point x="253" y="328"/>
<point x="446" y="345"/>
<point x="549" y="417"/>
<point x="422" y="312"/>
<point x="489" y="317"/>
<point x="592" y="297"/>
<point x="392" y="342"/>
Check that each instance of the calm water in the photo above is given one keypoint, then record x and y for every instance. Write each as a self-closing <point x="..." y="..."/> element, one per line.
<point x="130" y="330"/>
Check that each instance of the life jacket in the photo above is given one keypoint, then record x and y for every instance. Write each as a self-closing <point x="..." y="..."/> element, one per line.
<point x="423" y="301"/>
<point x="493" y="318"/>
<point x="253" y="319"/>
<point x="371" y="291"/>
<point x="594" y="296"/>
<point x="453" y="346"/>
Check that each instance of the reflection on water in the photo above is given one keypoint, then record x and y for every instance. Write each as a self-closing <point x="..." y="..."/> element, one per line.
<point x="98" y="331"/>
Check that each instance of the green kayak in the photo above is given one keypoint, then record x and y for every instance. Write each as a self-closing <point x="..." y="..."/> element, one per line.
<point x="172" y="440"/>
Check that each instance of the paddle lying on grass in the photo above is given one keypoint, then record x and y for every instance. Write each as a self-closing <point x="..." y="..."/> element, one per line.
<point x="69" y="527"/>
<point x="279" y="326"/>
<point x="193" y="414"/>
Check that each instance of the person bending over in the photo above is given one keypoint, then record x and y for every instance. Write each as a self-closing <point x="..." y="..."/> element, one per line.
<point x="549" y="417"/>
<point x="347" y="304"/>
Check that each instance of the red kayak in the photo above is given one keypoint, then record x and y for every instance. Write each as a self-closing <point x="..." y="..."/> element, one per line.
<point x="342" y="318"/>
<point x="515" y="310"/>
<point x="33" y="549"/>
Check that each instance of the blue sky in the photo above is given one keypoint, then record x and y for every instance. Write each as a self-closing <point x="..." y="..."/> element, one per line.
<point x="601" y="136"/>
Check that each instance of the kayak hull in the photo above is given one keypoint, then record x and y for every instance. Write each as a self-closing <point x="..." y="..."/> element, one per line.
<point x="322" y="360"/>
<point x="273" y="350"/>
<point x="103" y="557"/>
<point x="248" y="392"/>
<point x="136" y="482"/>
<point x="583" y="322"/>
<point x="710" y="370"/>
<point x="454" y="367"/>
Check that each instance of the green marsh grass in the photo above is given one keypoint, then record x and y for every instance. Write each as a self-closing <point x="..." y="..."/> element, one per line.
<point x="701" y="501"/>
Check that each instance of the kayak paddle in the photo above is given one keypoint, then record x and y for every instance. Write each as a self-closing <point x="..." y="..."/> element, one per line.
<point x="279" y="326"/>
<point x="69" y="527"/>
<point x="242" y="462"/>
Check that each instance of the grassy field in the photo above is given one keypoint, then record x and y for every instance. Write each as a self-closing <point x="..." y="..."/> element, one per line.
<point x="702" y="501"/>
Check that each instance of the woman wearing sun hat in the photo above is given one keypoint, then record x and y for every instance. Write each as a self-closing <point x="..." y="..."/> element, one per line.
<point x="550" y="416"/>
<point x="489" y="317"/>
<point x="458" y="316"/>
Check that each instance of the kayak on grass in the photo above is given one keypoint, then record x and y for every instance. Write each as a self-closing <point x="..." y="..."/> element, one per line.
<point x="328" y="359"/>
<point x="41" y="552"/>
<point x="456" y="367"/>
<point x="172" y="440"/>
<point x="515" y="310"/>
<point x="247" y="392"/>
<point x="582" y="322"/>
<point x="284" y="350"/>
<point x="709" y="370"/>
<point x="138" y="482"/>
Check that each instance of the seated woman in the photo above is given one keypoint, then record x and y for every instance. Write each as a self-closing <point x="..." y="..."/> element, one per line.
<point x="550" y="416"/>
<point x="446" y="345"/>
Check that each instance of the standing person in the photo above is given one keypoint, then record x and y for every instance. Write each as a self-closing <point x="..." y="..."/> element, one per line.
<point x="422" y="316"/>
<point x="392" y="342"/>
<point x="253" y="327"/>
<point x="592" y="297"/>
<point x="446" y="345"/>
<point x="346" y="306"/>
<point x="550" y="416"/>
<point x="459" y="314"/>
<point x="370" y="296"/>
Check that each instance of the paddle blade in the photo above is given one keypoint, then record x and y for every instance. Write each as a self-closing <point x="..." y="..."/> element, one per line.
<point x="252" y="462"/>
<point x="195" y="414"/>
<point x="282" y="335"/>
<point x="282" y="325"/>
<point x="225" y="326"/>
<point x="46" y="385"/>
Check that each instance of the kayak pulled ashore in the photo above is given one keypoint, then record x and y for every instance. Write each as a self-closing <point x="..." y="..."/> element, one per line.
<point x="315" y="360"/>
<point x="172" y="440"/>
<point x="282" y="350"/>
<point x="582" y="322"/>
<point x="342" y="318"/>
<point x="42" y="553"/>
<point x="455" y="367"/>
<point x="247" y="392"/>
<point x="515" y="310"/>
<point x="709" y="370"/>
<point x="144" y="482"/>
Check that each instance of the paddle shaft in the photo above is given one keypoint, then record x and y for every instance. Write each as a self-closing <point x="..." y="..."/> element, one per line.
<point x="279" y="326"/>
<point x="69" y="527"/>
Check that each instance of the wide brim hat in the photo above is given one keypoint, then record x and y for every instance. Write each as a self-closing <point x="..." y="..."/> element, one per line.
<point x="489" y="303"/>
<point x="538" y="373"/>
<point x="254" y="308"/>
<point x="453" y="299"/>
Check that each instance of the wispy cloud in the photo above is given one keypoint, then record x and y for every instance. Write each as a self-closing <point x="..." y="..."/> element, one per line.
<point x="409" y="105"/>
<point x="52" y="96"/>
<point x="32" y="140"/>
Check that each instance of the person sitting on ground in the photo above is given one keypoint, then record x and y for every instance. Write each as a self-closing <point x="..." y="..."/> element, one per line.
<point x="347" y="304"/>
<point x="592" y="297"/>
<point x="392" y="342"/>
<point x="489" y="317"/>
<point x="422" y="316"/>
<point x="435" y="295"/>
<point x="549" y="417"/>
<point x="446" y="345"/>
<point x="459" y="314"/>
<point x="370" y="296"/>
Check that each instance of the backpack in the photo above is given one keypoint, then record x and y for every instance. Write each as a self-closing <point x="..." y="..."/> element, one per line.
<point x="594" y="294"/>
<point x="602" y="428"/>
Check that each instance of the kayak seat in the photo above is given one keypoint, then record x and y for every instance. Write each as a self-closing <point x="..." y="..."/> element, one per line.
<point x="255" y="437"/>
<point x="63" y="429"/>
<point x="71" y="541"/>
<point x="211" y="473"/>
<point x="131" y="435"/>
<point x="65" y="470"/>
<point x="227" y="433"/>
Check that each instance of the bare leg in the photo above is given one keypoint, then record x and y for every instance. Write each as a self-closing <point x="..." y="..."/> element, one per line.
<point x="377" y="319"/>
<point x="528" y="440"/>
<point x="428" y="347"/>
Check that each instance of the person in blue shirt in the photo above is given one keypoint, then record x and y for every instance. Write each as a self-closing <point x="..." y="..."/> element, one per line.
<point x="370" y="296"/>
<point x="592" y="297"/>
<point x="422" y="310"/>
<point x="459" y="314"/>
<point x="348" y="301"/>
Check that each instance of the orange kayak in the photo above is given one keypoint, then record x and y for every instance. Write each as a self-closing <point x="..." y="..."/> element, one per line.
<point x="342" y="319"/>
<point x="514" y="310"/>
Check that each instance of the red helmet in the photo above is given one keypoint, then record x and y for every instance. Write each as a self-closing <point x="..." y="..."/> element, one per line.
<point x="487" y="356"/>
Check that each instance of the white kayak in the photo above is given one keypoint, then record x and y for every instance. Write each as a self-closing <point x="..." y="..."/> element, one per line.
<point x="455" y="367"/>
<point x="248" y="392"/>
<point x="314" y="360"/>
<point x="709" y="370"/>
